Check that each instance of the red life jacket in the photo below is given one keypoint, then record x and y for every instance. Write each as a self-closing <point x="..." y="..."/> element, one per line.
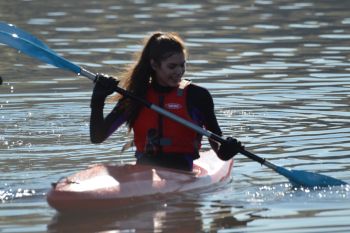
<point x="171" y="137"/>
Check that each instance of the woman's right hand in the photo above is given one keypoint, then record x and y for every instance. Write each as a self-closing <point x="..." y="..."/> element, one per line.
<point x="104" y="86"/>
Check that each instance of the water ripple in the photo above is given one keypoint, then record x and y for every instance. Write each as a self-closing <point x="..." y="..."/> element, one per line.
<point x="278" y="72"/>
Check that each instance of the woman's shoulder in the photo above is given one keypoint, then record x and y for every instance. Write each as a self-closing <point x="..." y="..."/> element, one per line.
<point x="199" y="100"/>
<point x="198" y="91"/>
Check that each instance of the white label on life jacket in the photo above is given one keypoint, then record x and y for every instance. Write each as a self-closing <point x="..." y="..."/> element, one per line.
<point x="173" y="106"/>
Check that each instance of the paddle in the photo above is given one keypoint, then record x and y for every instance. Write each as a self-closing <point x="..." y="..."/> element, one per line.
<point x="30" y="45"/>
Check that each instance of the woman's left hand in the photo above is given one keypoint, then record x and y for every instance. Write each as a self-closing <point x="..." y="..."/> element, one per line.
<point x="229" y="148"/>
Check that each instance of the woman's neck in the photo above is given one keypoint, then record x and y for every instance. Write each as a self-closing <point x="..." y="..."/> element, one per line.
<point x="159" y="88"/>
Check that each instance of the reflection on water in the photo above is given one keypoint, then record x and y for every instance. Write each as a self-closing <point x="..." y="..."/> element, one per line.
<point x="278" y="71"/>
<point x="149" y="218"/>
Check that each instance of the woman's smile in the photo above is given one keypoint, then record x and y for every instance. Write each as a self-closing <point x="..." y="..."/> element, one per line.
<point x="171" y="70"/>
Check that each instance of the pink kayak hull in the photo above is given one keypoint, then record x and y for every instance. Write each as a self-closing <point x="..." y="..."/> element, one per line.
<point x="107" y="187"/>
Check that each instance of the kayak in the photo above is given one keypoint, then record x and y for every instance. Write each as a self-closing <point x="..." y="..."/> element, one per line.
<point x="107" y="187"/>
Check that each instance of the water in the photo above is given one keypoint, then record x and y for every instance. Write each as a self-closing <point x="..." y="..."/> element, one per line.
<point x="278" y="72"/>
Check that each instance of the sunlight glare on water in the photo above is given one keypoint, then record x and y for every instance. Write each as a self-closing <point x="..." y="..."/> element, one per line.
<point x="278" y="73"/>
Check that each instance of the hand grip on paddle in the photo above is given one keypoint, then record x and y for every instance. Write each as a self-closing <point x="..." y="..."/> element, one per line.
<point x="229" y="148"/>
<point x="105" y="85"/>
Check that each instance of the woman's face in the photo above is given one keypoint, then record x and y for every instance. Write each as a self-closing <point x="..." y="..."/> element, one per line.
<point x="170" y="71"/>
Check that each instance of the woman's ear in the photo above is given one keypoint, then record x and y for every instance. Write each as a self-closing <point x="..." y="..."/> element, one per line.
<point x="154" y="64"/>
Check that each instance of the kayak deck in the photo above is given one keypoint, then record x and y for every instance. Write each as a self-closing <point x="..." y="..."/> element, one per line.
<point x="105" y="187"/>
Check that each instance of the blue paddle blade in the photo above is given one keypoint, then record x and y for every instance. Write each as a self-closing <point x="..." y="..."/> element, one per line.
<point x="30" y="45"/>
<point x="306" y="179"/>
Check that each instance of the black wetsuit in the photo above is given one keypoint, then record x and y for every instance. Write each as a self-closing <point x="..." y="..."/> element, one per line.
<point x="200" y="107"/>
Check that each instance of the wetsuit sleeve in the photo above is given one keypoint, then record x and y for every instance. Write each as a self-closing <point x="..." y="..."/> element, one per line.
<point x="102" y="127"/>
<point x="201" y="101"/>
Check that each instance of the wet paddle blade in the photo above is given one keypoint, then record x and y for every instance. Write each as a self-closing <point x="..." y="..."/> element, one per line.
<point x="300" y="178"/>
<point x="30" y="45"/>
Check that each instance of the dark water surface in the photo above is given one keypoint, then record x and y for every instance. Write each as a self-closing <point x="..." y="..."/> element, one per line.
<point x="278" y="72"/>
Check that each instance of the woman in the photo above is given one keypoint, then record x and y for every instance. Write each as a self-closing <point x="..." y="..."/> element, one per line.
<point x="158" y="77"/>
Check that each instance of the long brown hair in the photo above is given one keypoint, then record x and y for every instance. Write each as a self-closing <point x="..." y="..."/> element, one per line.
<point x="158" y="47"/>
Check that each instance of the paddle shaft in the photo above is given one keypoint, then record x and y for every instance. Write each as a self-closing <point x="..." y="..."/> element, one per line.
<point x="178" y="119"/>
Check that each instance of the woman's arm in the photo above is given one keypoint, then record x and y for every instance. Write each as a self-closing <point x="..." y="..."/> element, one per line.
<point x="201" y="101"/>
<point x="100" y="127"/>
